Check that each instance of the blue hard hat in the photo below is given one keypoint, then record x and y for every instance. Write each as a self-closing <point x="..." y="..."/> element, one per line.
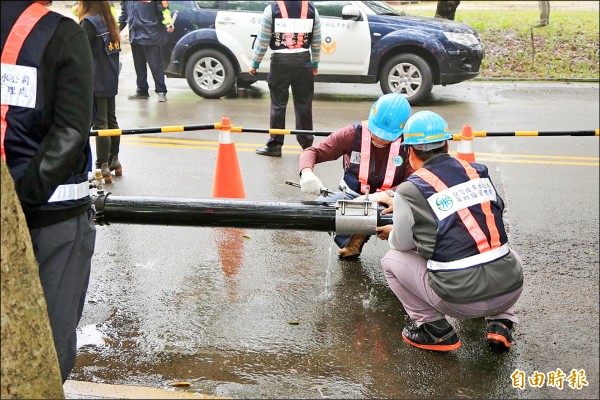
<point x="426" y="128"/>
<point x="388" y="116"/>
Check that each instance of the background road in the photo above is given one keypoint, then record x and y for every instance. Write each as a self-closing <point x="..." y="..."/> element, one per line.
<point x="212" y="306"/>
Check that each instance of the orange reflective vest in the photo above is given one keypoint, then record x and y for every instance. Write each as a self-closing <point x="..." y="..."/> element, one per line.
<point x="468" y="212"/>
<point x="17" y="82"/>
<point x="360" y="174"/>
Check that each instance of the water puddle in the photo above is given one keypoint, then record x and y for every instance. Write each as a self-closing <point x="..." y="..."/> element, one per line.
<point x="90" y="335"/>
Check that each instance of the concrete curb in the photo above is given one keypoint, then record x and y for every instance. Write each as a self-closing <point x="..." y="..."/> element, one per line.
<point x="89" y="390"/>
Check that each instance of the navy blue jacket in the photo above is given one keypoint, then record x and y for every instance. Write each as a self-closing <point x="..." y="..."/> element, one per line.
<point x="106" y="56"/>
<point x="145" y="21"/>
<point x="48" y="145"/>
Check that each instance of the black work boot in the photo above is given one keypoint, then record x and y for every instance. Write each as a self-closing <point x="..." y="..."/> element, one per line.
<point x="138" y="96"/>
<point x="274" y="151"/>
<point x="437" y="336"/>
<point x="499" y="333"/>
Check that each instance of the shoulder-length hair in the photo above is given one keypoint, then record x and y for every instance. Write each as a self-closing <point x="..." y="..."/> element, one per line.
<point x="101" y="8"/>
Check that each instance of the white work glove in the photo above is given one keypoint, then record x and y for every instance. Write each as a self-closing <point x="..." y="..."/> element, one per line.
<point x="310" y="183"/>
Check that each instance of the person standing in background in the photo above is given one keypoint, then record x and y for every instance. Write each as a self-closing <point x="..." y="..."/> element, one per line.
<point x="148" y="23"/>
<point x="292" y="30"/>
<point x="47" y="112"/>
<point x="102" y="31"/>
<point x="544" y="14"/>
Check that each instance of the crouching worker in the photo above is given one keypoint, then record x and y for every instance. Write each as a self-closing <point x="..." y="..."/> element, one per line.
<point x="373" y="160"/>
<point x="449" y="254"/>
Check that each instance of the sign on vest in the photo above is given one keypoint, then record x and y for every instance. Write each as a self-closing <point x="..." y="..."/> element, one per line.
<point x="293" y="25"/>
<point x="456" y="198"/>
<point x="19" y="85"/>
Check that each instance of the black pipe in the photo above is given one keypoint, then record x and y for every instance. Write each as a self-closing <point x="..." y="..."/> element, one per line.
<point x="306" y="215"/>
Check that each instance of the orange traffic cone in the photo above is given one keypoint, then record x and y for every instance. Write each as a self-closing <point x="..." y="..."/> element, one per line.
<point x="465" y="151"/>
<point x="228" y="178"/>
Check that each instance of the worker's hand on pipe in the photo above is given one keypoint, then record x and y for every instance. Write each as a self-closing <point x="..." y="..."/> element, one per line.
<point x="310" y="183"/>
<point x="388" y="201"/>
<point x="383" y="198"/>
<point x="383" y="232"/>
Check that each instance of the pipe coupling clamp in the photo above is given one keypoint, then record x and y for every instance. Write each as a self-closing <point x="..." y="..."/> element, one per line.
<point x="356" y="217"/>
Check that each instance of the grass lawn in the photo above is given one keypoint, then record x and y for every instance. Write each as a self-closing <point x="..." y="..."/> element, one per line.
<point x="566" y="49"/>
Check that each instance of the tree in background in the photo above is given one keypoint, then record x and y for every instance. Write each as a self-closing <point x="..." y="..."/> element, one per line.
<point x="446" y="9"/>
<point x="29" y="364"/>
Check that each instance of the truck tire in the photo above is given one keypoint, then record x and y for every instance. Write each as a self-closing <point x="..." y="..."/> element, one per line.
<point x="409" y="75"/>
<point x="210" y="74"/>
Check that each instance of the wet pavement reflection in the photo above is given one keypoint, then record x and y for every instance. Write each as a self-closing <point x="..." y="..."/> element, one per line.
<point x="248" y="313"/>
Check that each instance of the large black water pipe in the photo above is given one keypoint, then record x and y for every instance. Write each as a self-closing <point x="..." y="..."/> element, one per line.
<point x="340" y="217"/>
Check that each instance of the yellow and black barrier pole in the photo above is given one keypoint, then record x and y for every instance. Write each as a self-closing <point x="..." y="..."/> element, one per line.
<point x="160" y="129"/>
<point x="215" y="126"/>
<point x="596" y="132"/>
<point x="240" y="129"/>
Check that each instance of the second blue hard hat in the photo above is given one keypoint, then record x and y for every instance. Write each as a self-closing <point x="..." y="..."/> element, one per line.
<point x="426" y="130"/>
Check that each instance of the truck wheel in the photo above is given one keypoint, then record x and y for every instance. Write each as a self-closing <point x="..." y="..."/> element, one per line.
<point x="210" y="73"/>
<point x="409" y="75"/>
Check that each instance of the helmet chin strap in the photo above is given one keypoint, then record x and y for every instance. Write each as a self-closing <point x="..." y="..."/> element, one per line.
<point x="379" y="146"/>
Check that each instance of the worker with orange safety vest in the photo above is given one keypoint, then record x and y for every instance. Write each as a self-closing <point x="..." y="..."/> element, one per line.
<point x="292" y="30"/>
<point x="449" y="253"/>
<point x="47" y="111"/>
<point x="374" y="161"/>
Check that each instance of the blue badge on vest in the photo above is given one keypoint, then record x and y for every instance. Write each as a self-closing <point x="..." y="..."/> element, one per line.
<point x="397" y="161"/>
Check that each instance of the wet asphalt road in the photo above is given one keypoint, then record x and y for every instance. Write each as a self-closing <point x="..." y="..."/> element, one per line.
<point x="213" y="306"/>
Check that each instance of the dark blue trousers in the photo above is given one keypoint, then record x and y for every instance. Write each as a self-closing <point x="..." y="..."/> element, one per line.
<point x="295" y="71"/>
<point x="148" y="55"/>
<point x="64" y="253"/>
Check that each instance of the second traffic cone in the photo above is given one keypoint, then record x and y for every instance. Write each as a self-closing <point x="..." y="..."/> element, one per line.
<point x="465" y="151"/>
<point x="228" y="178"/>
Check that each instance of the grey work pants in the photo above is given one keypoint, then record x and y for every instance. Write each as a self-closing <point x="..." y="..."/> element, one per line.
<point x="406" y="274"/>
<point x="64" y="252"/>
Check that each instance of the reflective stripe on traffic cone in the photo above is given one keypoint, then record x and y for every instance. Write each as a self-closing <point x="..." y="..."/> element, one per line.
<point x="228" y="178"/>
<point x="465" y="151"/>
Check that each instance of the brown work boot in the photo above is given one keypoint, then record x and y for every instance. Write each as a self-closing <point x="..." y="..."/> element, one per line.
<point x="115" y="165"/>
<point x="354" y="247"/>
<point x="106" y="174"/>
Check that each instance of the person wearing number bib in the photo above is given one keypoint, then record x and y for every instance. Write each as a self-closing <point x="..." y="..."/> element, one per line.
<point x="47" y="110"/>
<point x="292" y="30"/>
<point x="449" y="248"/>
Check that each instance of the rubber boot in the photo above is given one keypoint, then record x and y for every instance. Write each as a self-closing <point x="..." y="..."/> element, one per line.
<point x="115" y="165"/>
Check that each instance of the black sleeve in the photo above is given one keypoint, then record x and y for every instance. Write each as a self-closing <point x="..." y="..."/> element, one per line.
<point x="67" y="115"/>
<point x="123" y="16"/>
